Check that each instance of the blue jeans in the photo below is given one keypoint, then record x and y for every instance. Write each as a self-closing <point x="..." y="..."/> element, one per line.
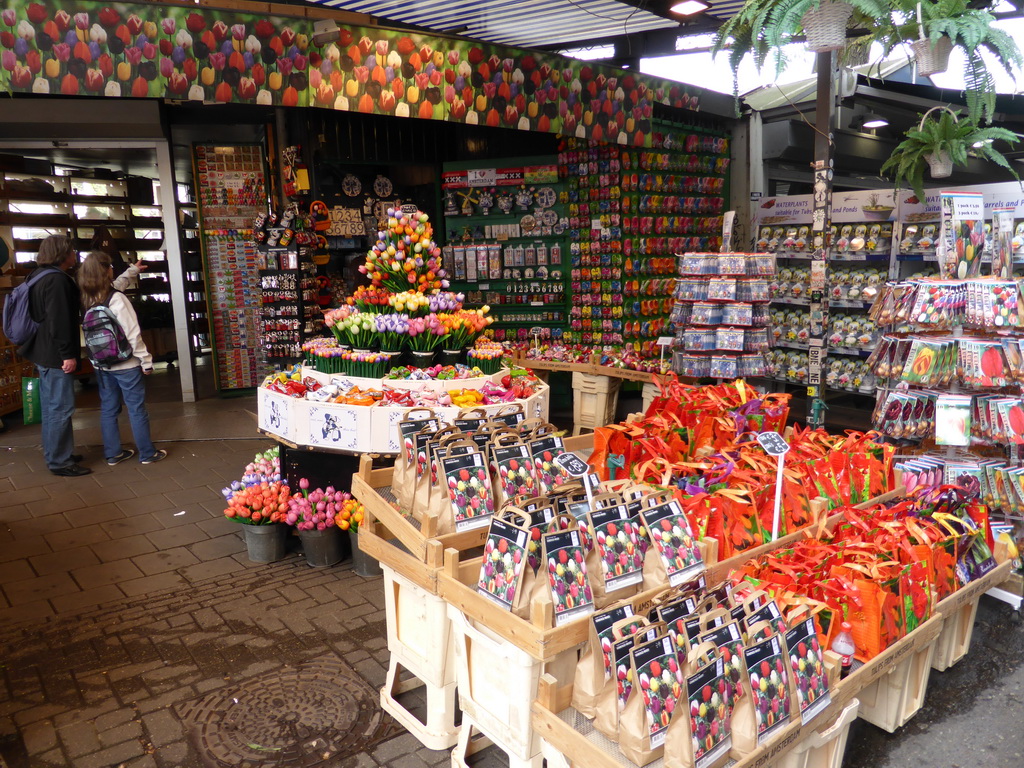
<point x="127" y="386"/>
<point x="57" y="400"/>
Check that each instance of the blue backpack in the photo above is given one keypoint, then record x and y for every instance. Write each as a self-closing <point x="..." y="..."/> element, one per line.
<point x="19" y="327"/>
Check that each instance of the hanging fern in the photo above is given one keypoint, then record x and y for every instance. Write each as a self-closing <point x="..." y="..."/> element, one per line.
<point x="944" y="135"/>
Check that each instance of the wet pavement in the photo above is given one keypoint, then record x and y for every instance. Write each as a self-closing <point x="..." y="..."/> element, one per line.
<point x="136" y="633"/>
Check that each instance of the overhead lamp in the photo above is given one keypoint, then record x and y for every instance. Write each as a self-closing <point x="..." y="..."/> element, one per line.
<point x="688" y="7"/>
<point x="325" y="31"/>
<point x="871" y="120"/>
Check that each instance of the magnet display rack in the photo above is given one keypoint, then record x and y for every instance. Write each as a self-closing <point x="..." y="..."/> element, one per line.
<point x="231" y="190"/>
<point x="631" y="211"/>
<point x="506" y="242"/>
<point x="288" y="312"/>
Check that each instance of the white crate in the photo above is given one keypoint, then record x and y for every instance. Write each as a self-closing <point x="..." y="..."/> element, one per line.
<point x="594" y="401"/>
<point x="420" y="642"/>
<point x="470" y="744"/>
<point x="897" y="695"/>
<point x="419" y="631"/>
<point x="824" y="748"/>
<point x="497" y="683"/>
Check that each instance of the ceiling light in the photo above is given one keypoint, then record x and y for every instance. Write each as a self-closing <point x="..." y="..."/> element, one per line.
<point x="689" y="7"/>
<point x="873" y="121"/>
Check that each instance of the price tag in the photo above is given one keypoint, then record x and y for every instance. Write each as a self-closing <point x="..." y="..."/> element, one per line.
<point x="773" y="443"/>
<point x="408" y="209"/>
<point x="572" y="464"/>
<point x="666" y="341"/>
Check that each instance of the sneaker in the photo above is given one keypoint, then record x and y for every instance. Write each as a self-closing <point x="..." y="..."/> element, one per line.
<point x="124" y="455"/>
<point x="158" y="456"/>
<point x="71" y="470"/>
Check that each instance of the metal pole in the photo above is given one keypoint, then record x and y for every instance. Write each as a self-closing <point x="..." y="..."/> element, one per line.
<point x="822" y="213"/>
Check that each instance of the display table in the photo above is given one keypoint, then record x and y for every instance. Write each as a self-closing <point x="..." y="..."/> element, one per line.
<point x="362" y="428"/>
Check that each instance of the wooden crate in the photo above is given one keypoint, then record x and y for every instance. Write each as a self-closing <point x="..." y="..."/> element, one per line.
<point x="473" y="739"/>
<point x="823" y="748"/>
<point x="582" y="747"/>
<point x="898" y="692"/>
<point x="958" y="613"/>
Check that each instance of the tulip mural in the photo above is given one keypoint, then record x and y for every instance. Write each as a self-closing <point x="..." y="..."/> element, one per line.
<point x="204" y="54"/>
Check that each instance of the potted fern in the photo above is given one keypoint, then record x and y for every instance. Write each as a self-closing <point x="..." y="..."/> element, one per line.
<point x="935" y="27"/>
<point x="941" y="143"/>
<point x="761" y="27"/>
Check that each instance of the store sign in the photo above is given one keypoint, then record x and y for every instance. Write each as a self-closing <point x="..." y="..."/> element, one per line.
<point x="500" y="177"/>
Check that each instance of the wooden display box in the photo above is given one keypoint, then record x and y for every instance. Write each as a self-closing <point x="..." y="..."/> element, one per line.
<point x="959" y="611"/>
<point x="586" y="748"/>
<point x="417" y="532"/>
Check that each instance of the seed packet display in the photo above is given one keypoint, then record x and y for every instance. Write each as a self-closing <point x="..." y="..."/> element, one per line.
<point x="595" y="665"/>
<point x="770" y="613"/>
<point x="769" y="710"/>
<point x="617" y="547"/>
<point x="618" y="688"/>
<point x="809" y="675"/>
<point x="542" y="520"/>
<point x="953" y="420"/>
<point x="645" y="719"/>
<point x="675" y="616"/>
<point x="469" y="490"/>
<point x="676" y="556"/>
<point x="543" y="452"/>
<point x="567" y="575"/>
<point x="728" y="638"/>
<point x="515" y="476"/>
<point x="511" y="416"/>
<point x="403" y="481"/>
<point x="501" y="569"/>
<point x="710" y="708"/>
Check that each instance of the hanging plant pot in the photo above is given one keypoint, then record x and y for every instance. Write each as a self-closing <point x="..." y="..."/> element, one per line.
<point x="940" y="165"/>
<point x="825" y="26"/>
<point x="932" y="58"/>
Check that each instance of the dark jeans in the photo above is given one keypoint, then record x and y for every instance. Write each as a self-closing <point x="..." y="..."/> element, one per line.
<point x="57" y="400"/>
<point x="128" y="386"/>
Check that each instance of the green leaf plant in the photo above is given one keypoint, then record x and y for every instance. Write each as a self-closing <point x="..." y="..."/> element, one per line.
<point x="949" y="135"/>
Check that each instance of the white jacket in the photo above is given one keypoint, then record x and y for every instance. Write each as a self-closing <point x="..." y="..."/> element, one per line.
<point x="125" y="314"/>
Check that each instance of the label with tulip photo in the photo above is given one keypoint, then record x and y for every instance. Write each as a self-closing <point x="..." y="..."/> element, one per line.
<point x="618" y="546"/>
<point x="769" y="681"/>
<point x="567" y="575"/>
<point x="710" y="713"/>
<point x="670" y="532"/>
<point x="808" y="669"/>
<point x="603" y="628"/>
<point x="661" y="683"/>
<point x="469" y="490"/>
<point x="501" y="568"/>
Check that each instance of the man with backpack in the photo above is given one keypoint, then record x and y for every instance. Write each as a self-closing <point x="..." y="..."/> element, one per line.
<point x="53" y="345"/>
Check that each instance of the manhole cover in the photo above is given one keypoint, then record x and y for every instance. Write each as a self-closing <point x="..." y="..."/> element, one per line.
<point x="309" y="715"/>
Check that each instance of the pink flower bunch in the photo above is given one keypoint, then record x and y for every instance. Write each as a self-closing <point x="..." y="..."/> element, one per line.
<point x="316" y="509"/>
<point x="426" y="333"/>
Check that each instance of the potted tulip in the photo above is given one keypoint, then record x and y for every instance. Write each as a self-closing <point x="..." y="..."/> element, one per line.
<point x="941" y="143"/>
<point x="348" y="518"/>
<point x="313" y="515"/>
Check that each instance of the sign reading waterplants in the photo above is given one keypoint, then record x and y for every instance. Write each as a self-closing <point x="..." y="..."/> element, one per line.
<point x="206" y="54"/>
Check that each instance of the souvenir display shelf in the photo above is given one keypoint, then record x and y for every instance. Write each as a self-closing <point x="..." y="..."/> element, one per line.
<point x="505" y="228"/>
<point x="231" y="191"/>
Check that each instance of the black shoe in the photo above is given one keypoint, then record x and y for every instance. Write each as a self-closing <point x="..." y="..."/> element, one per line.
<point x="160" y="455"/>
<point x="124" y="455"/>
<point x="77" y="458"/>
<point x="72" y="470"/>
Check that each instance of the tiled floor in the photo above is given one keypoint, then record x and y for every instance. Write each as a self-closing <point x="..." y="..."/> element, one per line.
<point x="127" y="592"/>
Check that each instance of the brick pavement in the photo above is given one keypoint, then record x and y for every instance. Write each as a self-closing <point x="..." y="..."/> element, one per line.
<point x="126" y="592"/>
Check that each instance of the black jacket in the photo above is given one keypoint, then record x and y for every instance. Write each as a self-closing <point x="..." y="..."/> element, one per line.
<point x="54" y="303"/>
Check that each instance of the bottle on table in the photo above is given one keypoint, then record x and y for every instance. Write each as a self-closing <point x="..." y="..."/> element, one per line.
<point x="843" y="645"/>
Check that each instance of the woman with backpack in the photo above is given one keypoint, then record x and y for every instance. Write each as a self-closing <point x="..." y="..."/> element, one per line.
<point x="114" y="343"/>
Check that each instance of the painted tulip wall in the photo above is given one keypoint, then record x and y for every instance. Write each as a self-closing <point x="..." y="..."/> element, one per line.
<point x="123" y="49"/>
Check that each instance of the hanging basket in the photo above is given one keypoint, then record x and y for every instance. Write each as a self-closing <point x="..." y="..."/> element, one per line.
<point x="932" y="58"/>
<point x="825" y="26"/>
<point x="940" y="165"/>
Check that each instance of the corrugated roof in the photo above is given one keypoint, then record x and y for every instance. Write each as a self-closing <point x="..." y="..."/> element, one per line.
<point x="523" y="23"/>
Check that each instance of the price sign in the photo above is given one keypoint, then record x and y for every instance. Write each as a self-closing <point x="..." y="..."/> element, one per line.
<point x="572" y="464"/>
<point x="774" y="445"/>
<point x="409" y="209"/>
